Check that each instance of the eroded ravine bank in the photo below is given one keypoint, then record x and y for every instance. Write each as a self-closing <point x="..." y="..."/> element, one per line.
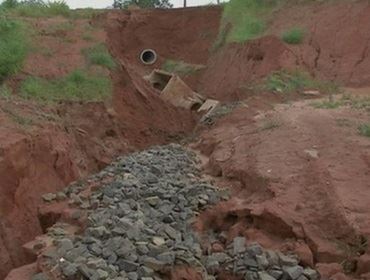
<point x="137" y="218"/>
<point x="43" y="148"/>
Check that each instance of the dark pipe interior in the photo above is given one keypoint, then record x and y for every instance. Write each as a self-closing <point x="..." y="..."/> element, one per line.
<point x="148" y="57"/>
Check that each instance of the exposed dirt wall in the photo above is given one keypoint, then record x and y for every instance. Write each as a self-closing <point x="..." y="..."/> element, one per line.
<point x="44" y="147"/>
<point x="335" y="48"/>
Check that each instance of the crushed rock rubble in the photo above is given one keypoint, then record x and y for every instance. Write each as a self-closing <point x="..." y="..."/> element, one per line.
<point x="139" y="226"/>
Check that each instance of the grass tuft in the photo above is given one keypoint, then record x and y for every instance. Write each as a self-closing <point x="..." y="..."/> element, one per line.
<point x="13" y="47"/>
<point x="327" y="104"/>
<point x="77" y="86"/>
<point x="364" y="130"/>
<point x="284" y="81"/>
<point x="180" y="67"/>
<point x="5" y="92"/>
<point x="293" y="36"/>
<point x="99" y="55"/>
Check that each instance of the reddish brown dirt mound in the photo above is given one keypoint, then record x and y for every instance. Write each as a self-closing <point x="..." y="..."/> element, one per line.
<point x="233" y="67"/>
<point x="303" y="180"/>
<point x="43" y="148"/>
<point x="178" y="34"/>
<point x="335" y="47"/>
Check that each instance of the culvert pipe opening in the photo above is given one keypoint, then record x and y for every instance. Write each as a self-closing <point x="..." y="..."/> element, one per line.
<point x="148" y="56"/>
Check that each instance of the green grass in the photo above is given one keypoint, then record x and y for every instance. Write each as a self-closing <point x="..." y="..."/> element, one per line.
<point x="247" y="19"/>
<point x="99" y="55"/>
<point x="327" y="104"/>
<point x="180" y="67"/>
<point x="88" y="37"/>
<point x="5" y="92"/>
<point x="284" y="81"/>
<point x="13" y="46"/>
<point x="293" y="36"/>
<point x="77" y="86"/>
<point x="364" y="129"/>
<point x="37" y="8"/>
<point x="357" y="102"/>
<point x="87" y="13"/>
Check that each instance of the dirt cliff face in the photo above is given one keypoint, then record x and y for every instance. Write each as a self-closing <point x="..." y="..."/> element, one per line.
<point x="335" y="48"/>
<point x="43" y="148"/>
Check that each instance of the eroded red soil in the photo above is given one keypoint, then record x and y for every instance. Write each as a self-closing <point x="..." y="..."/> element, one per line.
<point x="303" y="180"/>
<point x="43" y="148"/>
<point x="299" y="175"/>
<point x="335" y="48"/>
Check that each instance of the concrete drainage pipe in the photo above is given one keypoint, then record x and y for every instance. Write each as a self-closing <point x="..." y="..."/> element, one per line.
<point x="148" y="57"/>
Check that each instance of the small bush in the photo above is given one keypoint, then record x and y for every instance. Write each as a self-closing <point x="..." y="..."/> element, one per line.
<point x="364" y="130"/>
<point x="13" y="47"/>
<point x="287" y="82"/>
<point x="78" y="86"/>
<point x="293" y="36"/>
<point x="58" y="8"/>
<point x="38" y="8"/>
<point x="9" y="4"/>
<point x="99" y="55"/>
<point x="246" y="17"/>
<point x="181" y="67"/>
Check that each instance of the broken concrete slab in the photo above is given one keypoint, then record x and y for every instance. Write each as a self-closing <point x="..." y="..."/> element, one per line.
<point x="174" y="90"/>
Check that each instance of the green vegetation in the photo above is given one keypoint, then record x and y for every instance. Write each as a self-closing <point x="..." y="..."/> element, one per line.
<point x="180" y="67"/>
<point x="13" y="46"/>
<point x="87" y="13"/>
<point x="327" y="104"/>
<point x="123" y="4"/>
<point x="5" y="92"/>
<point x="364" y="130"/>
<point x="246" y="17"/>
<point x="62" y="26"/>
<point x="357" y="102"/>
<point x="36" y="8"/>
<point x="77" y="86"/>
<point x="16" y="117"/>
<point x="294" y="81"/>
<point x="293" y="36"/>
<point x="99" y="55"/>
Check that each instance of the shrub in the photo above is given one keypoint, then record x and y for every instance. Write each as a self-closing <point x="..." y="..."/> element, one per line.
<point x="78" y="86"/>
<point x="364" y="130"/>
<point x="246" y="18"/>
<point x="39" y="8"/>
<point x="99" y="55"/>
<point x="293" y="36"/>
<point x="9" y="4"/>
<point x="58" y="8"/>
<point x="287" y="82"/>
<point x="13" y="47"/>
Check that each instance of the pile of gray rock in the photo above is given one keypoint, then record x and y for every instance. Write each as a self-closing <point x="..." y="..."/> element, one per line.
<point x="253" y="262"/>
<point x="139" y="225"/>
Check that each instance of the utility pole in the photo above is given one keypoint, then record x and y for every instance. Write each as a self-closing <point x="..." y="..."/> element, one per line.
<point x="184" y="3"/>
